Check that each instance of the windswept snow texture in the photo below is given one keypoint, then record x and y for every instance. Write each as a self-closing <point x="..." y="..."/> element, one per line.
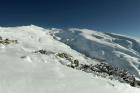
<point x="117" y="50"/>
<point x="22" y="71"/>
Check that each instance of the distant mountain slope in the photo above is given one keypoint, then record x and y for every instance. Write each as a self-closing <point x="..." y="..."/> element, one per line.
<point x="117" y="50"/>
<point x="26" y="68"/>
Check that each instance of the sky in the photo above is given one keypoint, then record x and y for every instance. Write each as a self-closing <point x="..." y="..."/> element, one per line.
<point x="117" y="16"/>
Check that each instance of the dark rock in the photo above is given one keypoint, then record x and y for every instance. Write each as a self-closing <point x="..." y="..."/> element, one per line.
<point x="120" y="74"/>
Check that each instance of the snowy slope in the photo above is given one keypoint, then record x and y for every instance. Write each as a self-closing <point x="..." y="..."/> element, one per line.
<point x="114" y="49"/>
<point x="23" y="71"/>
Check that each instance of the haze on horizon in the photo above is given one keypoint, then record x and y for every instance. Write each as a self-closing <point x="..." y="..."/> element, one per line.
<point x="117" y="16"/>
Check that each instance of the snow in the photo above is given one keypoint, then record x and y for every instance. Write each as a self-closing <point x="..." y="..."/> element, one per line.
<point x="23" y="71"/>
<point x="105" y="46"/>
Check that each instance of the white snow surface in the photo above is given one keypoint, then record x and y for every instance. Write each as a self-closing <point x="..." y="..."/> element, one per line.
<point x="117" y="50"/>
<point x="22" y="71"/>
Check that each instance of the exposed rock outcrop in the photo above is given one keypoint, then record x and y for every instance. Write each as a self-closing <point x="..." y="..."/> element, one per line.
<point x="7" y="41"/>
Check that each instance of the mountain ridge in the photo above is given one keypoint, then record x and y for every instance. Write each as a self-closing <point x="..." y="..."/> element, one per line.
<point x="95" y="44"/>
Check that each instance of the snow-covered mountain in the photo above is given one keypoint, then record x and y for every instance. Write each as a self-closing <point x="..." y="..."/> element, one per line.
<point x="120" y="51"/>
<point x="26" y="69"/>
